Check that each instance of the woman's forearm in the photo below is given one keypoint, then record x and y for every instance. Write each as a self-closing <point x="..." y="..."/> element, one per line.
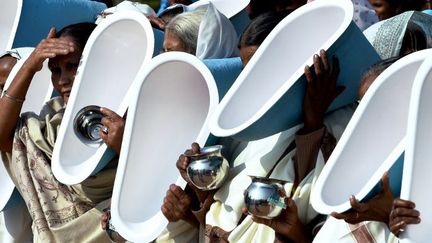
<point x="11" y="104"/>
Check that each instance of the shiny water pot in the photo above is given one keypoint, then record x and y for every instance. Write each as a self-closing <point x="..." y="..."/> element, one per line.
<point x="87" y="124"/>
<point x="209" y="169"/>
<point x="264" y="197"/>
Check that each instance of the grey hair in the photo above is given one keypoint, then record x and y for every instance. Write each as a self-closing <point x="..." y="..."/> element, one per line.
<point x="185" y="27"/>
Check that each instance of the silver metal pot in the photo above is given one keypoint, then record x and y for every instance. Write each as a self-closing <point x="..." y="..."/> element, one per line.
<point x="87" y="124"/>
<point x="264" y="197"/>
<point x="209" y="169"/>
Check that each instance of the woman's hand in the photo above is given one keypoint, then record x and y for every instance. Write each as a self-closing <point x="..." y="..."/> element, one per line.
<point x="112" y="132"/>
<point x="177" y="206"/>
<point x="375" y="209"/>
<point x="321" y="90"/>
<point x="183" y="163"/>
<point x="48" y="48"/>
<point x="287" y="225"/>
<point x="402" y="214"/>
<point x="157" y="22"/>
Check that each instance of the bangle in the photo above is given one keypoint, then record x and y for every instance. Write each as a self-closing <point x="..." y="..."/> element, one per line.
<point x="15" y="99"/>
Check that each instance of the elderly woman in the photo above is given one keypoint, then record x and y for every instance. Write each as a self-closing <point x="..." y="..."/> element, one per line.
<point x="60" y="213"/>
<point x="181" y="33"/>
<point x="205" y="33"/>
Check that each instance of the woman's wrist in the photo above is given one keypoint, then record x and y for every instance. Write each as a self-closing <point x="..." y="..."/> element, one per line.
<point x="196" y="193"/>
<point x="191" y="219"/>
<point x="298" y="234"/>
<point x="309" y="127"/>
<point x="29" y="67"/>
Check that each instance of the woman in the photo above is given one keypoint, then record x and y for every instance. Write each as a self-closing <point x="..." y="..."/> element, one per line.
<point x="205" y="33"/>
<point x="181" y="32"/>
<point x="370" y="218"/>
<point x="60" y="213"/>
<point x="221" y="211"/>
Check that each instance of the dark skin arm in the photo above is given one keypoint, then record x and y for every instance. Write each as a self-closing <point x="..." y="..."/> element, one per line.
<point x="47" y="48"/>
<point x="321" y="90"/>
<point x="115" y="125"/>
<point x="403" y="213"/>
<point x="375" y="209"/>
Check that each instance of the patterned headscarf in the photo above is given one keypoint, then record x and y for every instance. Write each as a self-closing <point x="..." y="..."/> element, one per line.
<point x="388" y="36"/>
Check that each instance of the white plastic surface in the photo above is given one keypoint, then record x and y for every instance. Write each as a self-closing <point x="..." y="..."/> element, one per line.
<point x="228" y="7"/>
<point x="372" y="141"/>
<point x="278" y="63"/>
<point x="6" y="187"/>
<point x="39" y="92"/>
<point x="10" y="13"/>
<point x="417" y="183"/>
<point x="171" y="101"/>
<point x="116" y="50"/>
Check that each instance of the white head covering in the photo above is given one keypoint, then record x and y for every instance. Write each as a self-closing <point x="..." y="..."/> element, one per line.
<point x="217" y="37"/>
<point x="387" y="36"/>
<point x="390" y="35"/>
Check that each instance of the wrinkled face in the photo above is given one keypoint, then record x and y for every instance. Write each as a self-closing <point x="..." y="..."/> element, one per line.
<point x="383" y="9"/>
<point x="246" y="53"/>
<point x="63" y="70"/>
<point x="6" y="65"/>
<point x="172" y="43"/>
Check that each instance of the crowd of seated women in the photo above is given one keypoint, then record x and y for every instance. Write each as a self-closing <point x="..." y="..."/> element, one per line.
<point x="61" y="213"/>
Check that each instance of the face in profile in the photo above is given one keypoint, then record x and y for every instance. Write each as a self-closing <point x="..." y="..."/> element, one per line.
<point x="384" y="9"/>
<point x="6" y="65"/>
<point x="246" y="53"/>
<point x="63" y="70"/>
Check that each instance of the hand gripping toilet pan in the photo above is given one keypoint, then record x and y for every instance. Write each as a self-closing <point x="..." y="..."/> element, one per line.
<point x="416" y="180"/>
<point x="112" y="57"/>
<point x="267" y="97"/>
<point x="171" y="101"/>
<point x="39" y="92"/>
<point x="10" y="13"/>
<point x="373" y="140"/>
